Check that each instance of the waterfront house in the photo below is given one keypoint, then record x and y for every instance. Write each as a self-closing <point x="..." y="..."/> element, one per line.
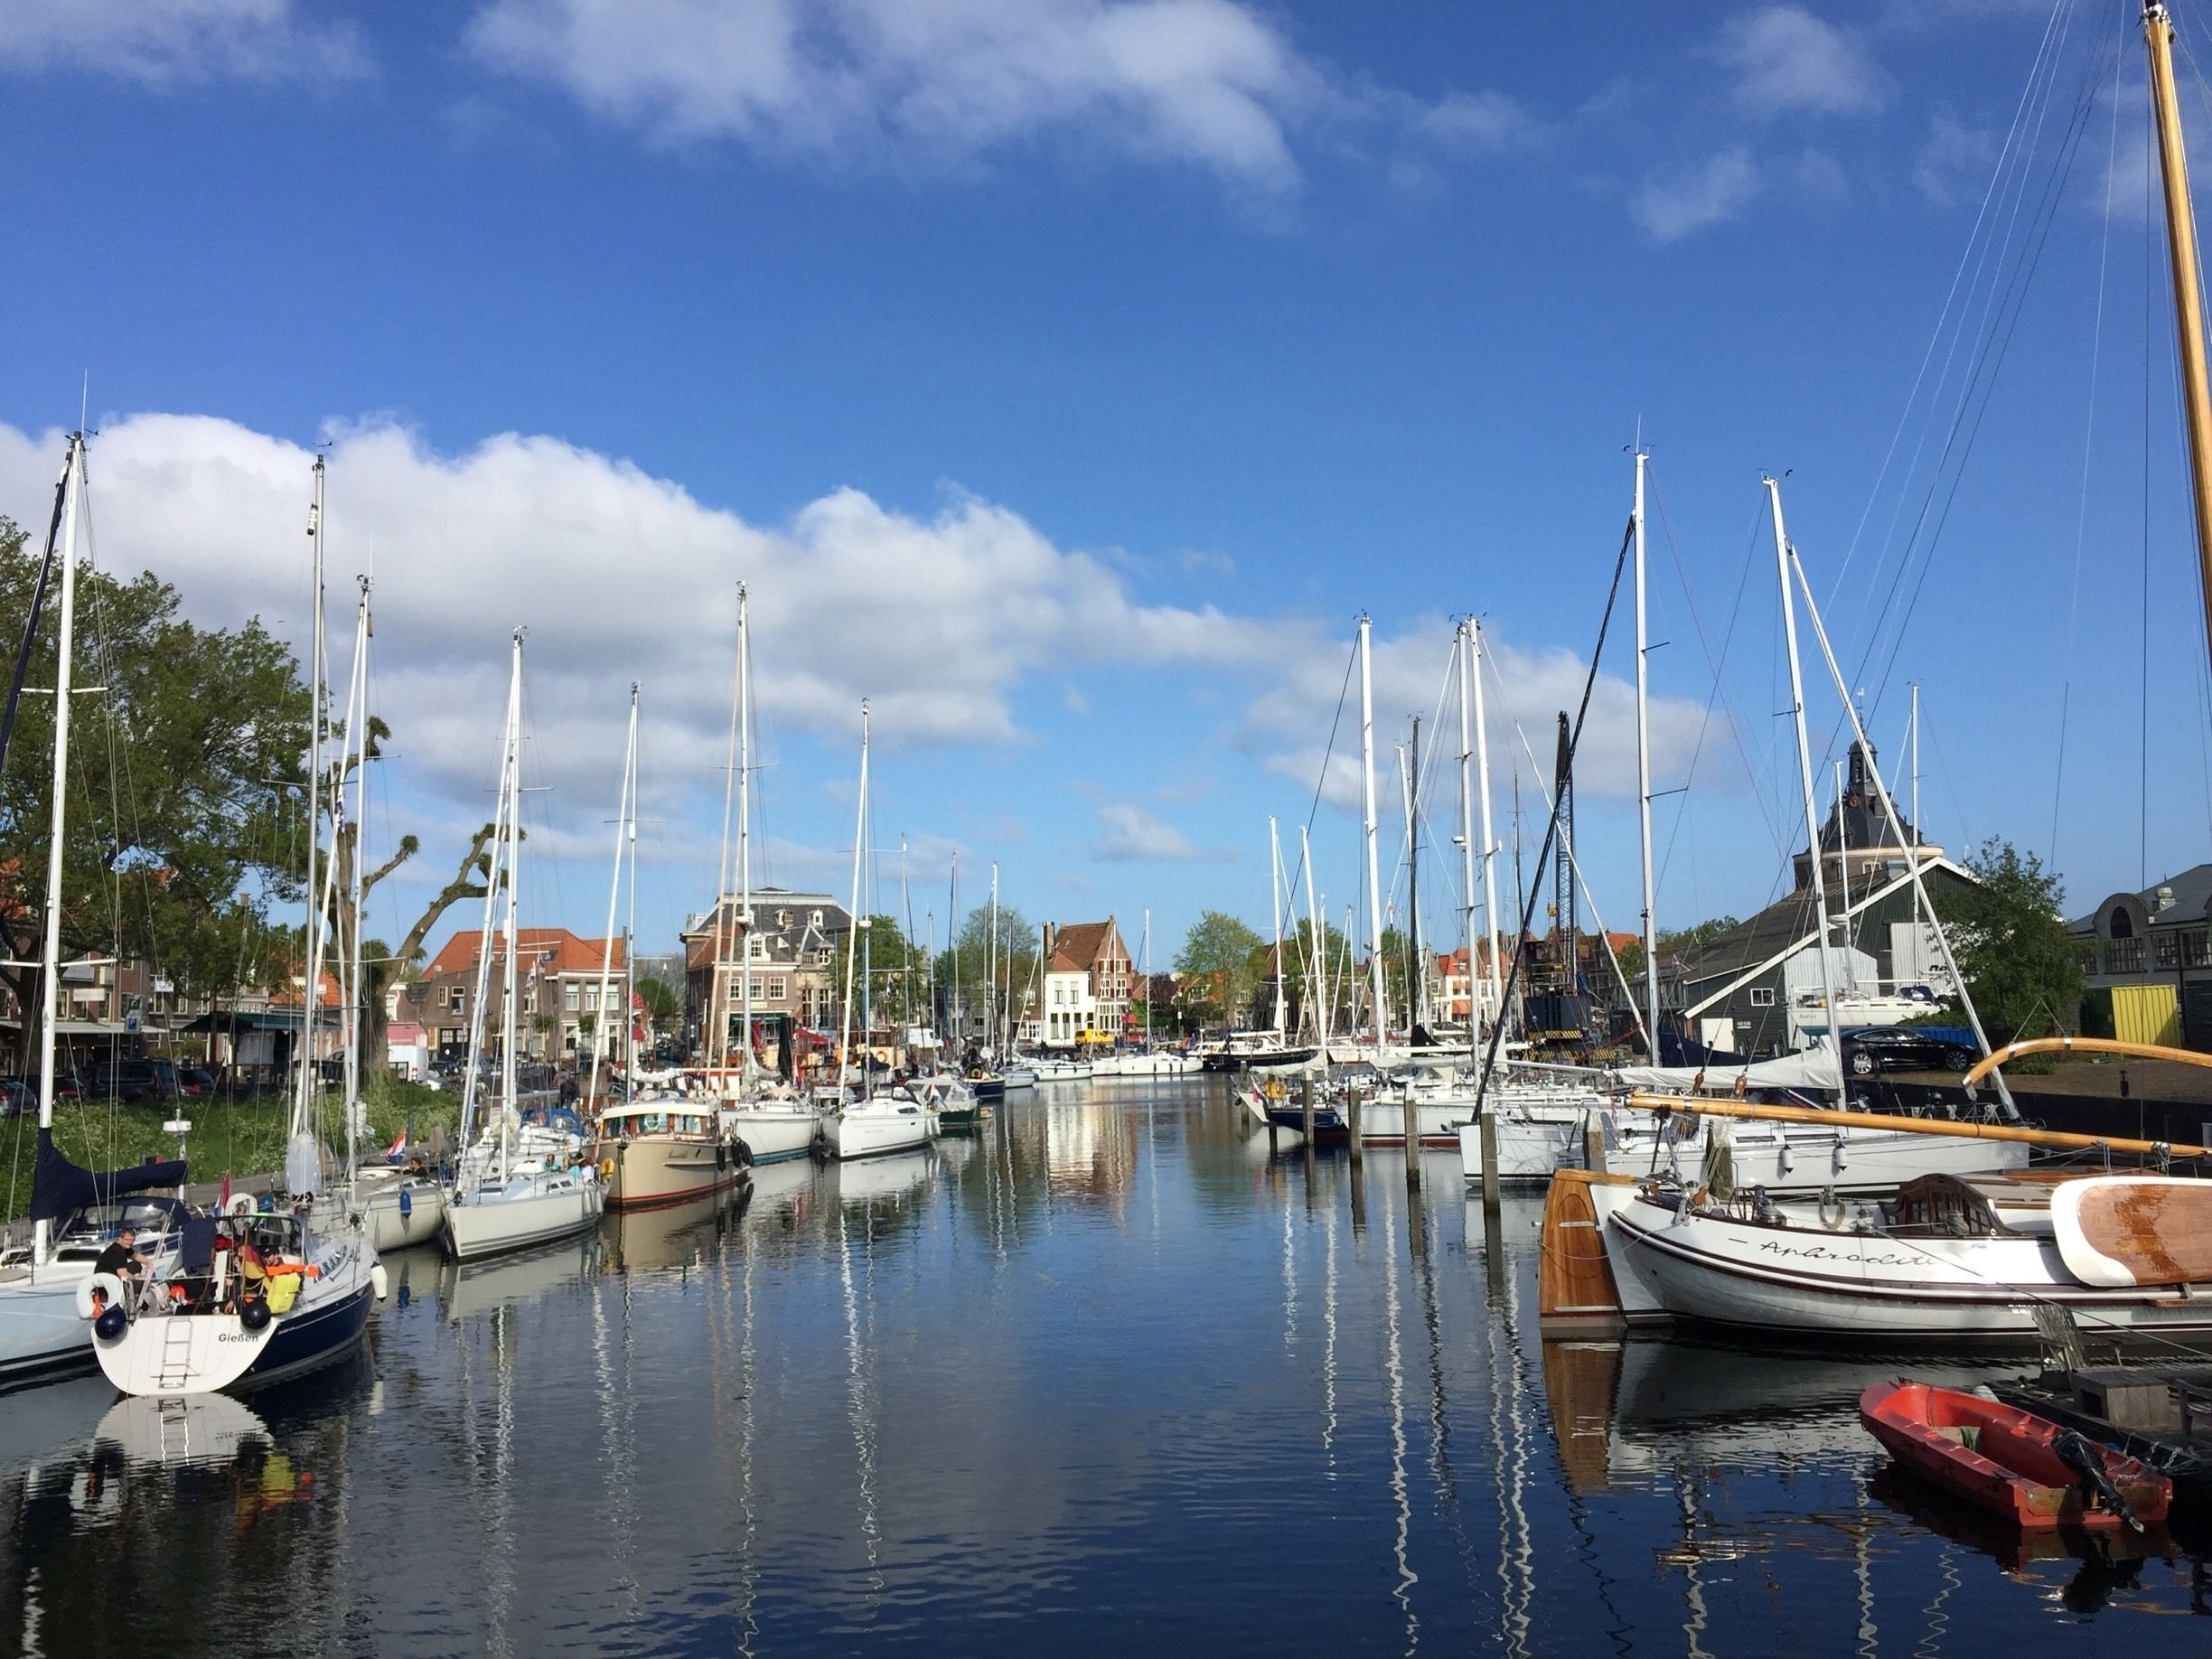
<point x="788" y="949"/>
<point x="2147" y="963"/>
<point x="1096" y="950"/>
<point x="557" y="983"/>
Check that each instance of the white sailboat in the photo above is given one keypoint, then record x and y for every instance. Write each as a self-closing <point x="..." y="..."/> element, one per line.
<point x="45" y="1292"/>
<point x="500" y="1202"/>
<point x="768" y="1122"/>
<point x="872" y="1123"/>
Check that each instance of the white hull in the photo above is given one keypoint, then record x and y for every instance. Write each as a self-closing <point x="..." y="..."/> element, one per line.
<point x="1144" y="1065"/>
<point x="1061" y="1072"/>
<point x="773" y="1130"/>
<point x="41" y="1332"/>
<point x="1383" y="1121"/>
<point x="525" y="1210"/>
<point x="869" y="1128"/>
<point x="1814" y="1281"/>
<point x="1529" y="1148"/>
<point x="1020" y="1077"/>
<point x="393" y="1225"/>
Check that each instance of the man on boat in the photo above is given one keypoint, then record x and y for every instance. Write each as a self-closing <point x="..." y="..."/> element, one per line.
<point x="121" y="1257"/>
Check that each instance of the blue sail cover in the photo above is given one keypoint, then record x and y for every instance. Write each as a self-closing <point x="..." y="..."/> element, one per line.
<point x="58" y="1188"/>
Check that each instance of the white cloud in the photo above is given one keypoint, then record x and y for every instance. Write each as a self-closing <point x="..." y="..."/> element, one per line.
<point x="1669" y="206"/>
<point x="1135" y="835"/>
<point x="158" y="42"/>
<point x="617" y="576"/>
<point x="1291" y="724"/>
<point x="1210" y="83"/>
<point x="1955" y="160"/>
<point x="1786" y="60"/>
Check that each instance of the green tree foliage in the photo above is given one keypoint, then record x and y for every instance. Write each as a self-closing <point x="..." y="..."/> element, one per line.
<point x="1017" y="957"/>
<point x="2010" y="936"/>
<point x="895" y="973"/>
<point x="1220" y="965"/>
<point x="660" y="1003"/>
<point x="185" y="819"/>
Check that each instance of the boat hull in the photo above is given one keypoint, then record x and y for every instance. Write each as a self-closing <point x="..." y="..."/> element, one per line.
<point x="771" y="1133"/>
<point x="1856" y="1285"/>
<point x="41" y="1333"/>
<point x="647" y="1171"/>
<point x="483" y="1225"/>
<point x="869" y="1131"/>
<point x="402" y="1217"/>
<point x="2002" y="1460"/>
<point x="197" y="1353"/>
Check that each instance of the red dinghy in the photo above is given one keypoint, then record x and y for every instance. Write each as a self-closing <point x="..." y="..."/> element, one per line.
<point x="2012" y="1463"/>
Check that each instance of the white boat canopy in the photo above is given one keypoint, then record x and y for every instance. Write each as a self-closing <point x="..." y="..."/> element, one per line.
<point x="1811" y="1068"/>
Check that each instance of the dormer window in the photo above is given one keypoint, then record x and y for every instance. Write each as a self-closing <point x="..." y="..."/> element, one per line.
<point x="2122" y="924"/>
<point x="814" y="918"/>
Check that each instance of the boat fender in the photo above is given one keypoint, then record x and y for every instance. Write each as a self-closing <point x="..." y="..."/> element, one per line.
<point x="380" y="1281"/>
<point x="242" y="1203"/>
<point x="112" y="1323"/>
<point x="253" y="1313"/>
<point x="1832" y="1213"/>
<point x="743" y="1153"/>
<point x="606" y="1169"/>
<point x="101" y="1291"/>
<point x="721" y="1157"/>
<point x="407" y="1208"/>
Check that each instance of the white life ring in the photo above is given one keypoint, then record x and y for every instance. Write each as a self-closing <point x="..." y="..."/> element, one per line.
<point x="242" y="1203"/>
<point x="107" y="1284"/>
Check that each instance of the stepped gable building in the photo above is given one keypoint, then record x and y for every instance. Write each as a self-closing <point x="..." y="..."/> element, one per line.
<point x="1095" y="951"/>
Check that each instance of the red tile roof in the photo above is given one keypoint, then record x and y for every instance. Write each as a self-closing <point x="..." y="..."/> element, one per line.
<point x="569" y="954"/>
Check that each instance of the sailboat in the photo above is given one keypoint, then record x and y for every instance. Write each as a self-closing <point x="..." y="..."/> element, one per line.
<point x="873" y="1123"/>
<point x="47" y="1291"/>
<point x="256" y="1296"/>
<point x="660" y="1147"/>
<point x="764" y="1122"/>
<point x="499" y="1202"/>
<point x="397" y="1207"/>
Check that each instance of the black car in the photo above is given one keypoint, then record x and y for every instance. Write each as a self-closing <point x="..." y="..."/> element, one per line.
<point x="1871" y="1049"/>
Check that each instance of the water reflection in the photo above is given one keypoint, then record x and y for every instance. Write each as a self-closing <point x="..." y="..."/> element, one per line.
<point x="1107" y="1371"/>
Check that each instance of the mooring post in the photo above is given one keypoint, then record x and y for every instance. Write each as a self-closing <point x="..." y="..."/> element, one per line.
<point x="1593" y="1145"/>
<point x="1412" y="1142"/>
<point x="1352" y="1121"/>
<point x="1306" y="1104"/>
<point x="1490" y="1158"/>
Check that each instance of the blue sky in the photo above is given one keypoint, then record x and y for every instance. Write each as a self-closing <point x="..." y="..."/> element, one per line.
<point x="1066" y="377"/>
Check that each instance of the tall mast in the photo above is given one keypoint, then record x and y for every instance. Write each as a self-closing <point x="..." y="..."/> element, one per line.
<point x="715" y="1048"/>
<point x="49" y="969"/>
<point x="1275" y="897"/>
<point x="1644" y="790"/>
<point x="356" y="733"/>
<point x="1466" y="835"/>
<point x="2189" y="302"/>
<point x="1490" y="847"/>
<point x="991" y="971"/>
<point x="1144" y="951"/>
<point x="1919" y="938"/>
<point x="1417" y="981"/>
<point x="859" y="921"/>
<point x="509" y="1059"/>
<point x="1318" y="976"/>
<point x="606" y="950"/>
<point x="1367" y="798"/>
<point x="302" y="1159"/>
<point x="1805" y="768"/>
<point x="744" y="844"/>
<point x="954" y="1008"/>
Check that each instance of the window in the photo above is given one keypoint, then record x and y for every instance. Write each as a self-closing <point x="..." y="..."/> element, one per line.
<point x="2166" y="949"/>
<point x="2124" y="956"/>
<point x="2196" y="950"/>
<point x="571" y="999"/>
<point x="590" y="999"/>
<point x="2123" y="925"/>
<point x="775" y="989"/>
<point x="1762" y="996"/>
<point x="456" y="997"/>
<point x="814" y="919"/>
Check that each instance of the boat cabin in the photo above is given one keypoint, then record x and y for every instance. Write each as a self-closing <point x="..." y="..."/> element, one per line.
<point x="631" y="1119"/>
<point x="1949" y="1206"/>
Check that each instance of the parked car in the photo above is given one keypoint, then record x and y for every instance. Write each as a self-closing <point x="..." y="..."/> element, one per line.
<point x="195" y="1082"/>
<point x="134" y="1080"/>
<point x="1870" y="1049"/>
<point x="16" y="1097"/>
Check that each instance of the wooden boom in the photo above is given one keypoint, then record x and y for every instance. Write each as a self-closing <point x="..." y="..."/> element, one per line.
<point x="1821" y="1116"/>
<point x="2088" y="1045"/>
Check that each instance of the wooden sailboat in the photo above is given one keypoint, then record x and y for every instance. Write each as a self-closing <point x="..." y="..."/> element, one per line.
<point x="661" y="1146"/>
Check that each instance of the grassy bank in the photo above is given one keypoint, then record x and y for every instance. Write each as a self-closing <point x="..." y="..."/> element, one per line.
<point x="240" y="1137"/>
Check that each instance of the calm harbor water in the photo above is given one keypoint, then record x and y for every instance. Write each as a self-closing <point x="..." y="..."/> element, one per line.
<point x="1105" y="1376"/>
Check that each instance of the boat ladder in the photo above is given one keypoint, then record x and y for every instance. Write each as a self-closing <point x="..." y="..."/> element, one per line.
<point x="176" y="1352"/>
<point x="175" y="1429"/>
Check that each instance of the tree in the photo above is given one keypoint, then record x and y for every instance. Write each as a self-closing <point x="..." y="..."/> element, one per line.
<point x="2010" y="936"/>
<point x="188" y="748"/>
<point x="660" y="1002"/>
<point x="894" y="974"/>
<point x="1216" y="969"/>
<point x="380" y="967"/>
<point x="1017" y="957"/>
